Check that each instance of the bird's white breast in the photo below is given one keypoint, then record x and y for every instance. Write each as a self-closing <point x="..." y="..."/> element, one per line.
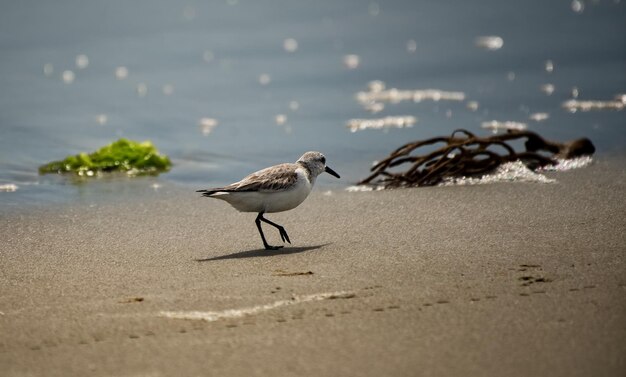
<point x="270" y="201"/>
<point x="290" y="198"/>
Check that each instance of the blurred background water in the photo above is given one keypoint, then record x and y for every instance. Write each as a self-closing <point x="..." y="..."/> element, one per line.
<point x="228" y="87"/>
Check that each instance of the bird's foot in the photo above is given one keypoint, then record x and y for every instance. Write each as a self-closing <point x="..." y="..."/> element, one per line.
<point x="283" y="234"/>
<point x="270" y="247"/>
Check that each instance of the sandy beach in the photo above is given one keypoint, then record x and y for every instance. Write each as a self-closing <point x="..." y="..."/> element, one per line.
<point x="507" y="279"/>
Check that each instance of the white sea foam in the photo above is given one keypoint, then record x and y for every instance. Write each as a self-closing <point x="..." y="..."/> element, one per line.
<point x="211" y="316"/>
<point x="515" y="171"/>
<point x="568" y="164"/>
<point x="363" y="188"/>
<point x="508" y="172"/>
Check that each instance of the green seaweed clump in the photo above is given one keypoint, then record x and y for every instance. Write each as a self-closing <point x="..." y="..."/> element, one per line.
<point x="124" y="155"/>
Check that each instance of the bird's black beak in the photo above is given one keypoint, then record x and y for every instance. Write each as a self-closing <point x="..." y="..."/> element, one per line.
<point x="331" y="172"/>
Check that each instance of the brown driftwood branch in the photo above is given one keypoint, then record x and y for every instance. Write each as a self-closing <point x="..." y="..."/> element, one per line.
<point x="465" y="154"/>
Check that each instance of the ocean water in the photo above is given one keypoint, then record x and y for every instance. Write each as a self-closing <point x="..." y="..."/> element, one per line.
<point x="228" y="87"/>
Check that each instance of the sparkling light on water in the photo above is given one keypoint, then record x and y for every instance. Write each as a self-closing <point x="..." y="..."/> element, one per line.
<point x="168" y="89"/>
<point x="351" y="61"/>
<point x="578" y="6"/>
<point x="376" y="86"/>
<point x="207" y="125"/>
<point x="491" y="42"/>
<point x="294" y="105"/>
<point x="547" y="89"/>
<point x="48" y="69"/>
<point x="121" y="73"/>
<point x="374" y="107"/>
<point x="472" y="105"/>
<point x="496" y="126"/>
<point x="142" y="89"/>
<point x="280" y="119"/>
<point x="575" y="105"/>
<point x="189" y="12"/>
<point x="265" y="79"/>
<point x="539" y="117"/>
<point x="8" y="187"/>
<point x="394" y="95"/>
<point x="290" y="45"/>
<point x="68" y="77"/>
<point x="208" y="56"/>
<point x="549" y="66"/>
<point x="82" y="61"/>
<point x="102" y="119"/>
<point x="373" y="9"/>
<point x="382" y="123"/>
<point x="411" y="46"/>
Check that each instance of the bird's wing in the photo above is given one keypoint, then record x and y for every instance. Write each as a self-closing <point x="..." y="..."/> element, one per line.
<point x="275" y="178"/>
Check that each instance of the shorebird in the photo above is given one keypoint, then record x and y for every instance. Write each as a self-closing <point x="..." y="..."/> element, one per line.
<point x="275" y="189"/>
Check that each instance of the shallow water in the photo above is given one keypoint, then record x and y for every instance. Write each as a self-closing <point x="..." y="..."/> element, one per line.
<point x="228" y="87"/>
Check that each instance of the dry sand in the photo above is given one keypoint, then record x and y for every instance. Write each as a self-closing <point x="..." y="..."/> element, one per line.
<point x="502" y="279"/>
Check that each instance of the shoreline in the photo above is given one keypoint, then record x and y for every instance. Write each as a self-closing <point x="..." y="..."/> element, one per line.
<point x="524" y="278"/>
<point x="124" y="190"/>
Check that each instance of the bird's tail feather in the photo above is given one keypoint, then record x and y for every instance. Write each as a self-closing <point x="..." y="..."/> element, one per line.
<point x="210" y="192"/>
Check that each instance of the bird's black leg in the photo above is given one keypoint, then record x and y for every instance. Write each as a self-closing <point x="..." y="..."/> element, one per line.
<point x="283" y="233"/>
<point x="258" y="220"/>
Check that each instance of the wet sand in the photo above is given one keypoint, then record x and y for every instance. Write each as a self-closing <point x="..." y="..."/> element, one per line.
<point x="492" y="280"/>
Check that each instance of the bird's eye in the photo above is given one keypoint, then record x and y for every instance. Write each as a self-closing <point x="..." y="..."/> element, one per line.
<point x="323" y="159"/>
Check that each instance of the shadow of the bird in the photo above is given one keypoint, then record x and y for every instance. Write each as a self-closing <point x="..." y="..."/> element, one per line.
<point x="263" y="253"/>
